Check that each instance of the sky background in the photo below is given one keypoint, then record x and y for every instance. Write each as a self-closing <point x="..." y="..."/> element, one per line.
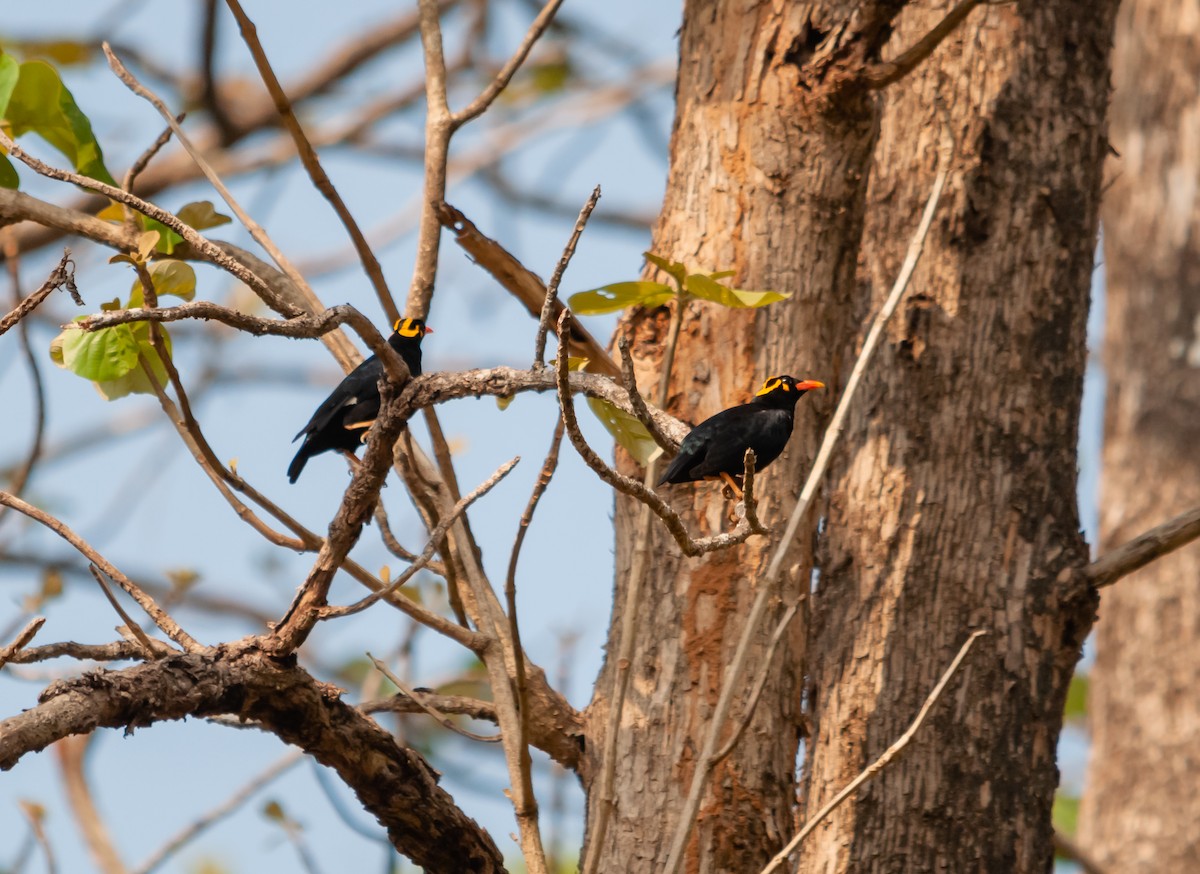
<point x="144" y="504"/>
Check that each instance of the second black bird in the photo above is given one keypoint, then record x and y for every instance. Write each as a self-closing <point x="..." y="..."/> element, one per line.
<point x="716" y="448"/>
<point x="343" y="418"/>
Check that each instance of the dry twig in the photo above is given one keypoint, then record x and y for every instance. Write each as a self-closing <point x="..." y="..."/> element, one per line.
<point x="879" y="764"/>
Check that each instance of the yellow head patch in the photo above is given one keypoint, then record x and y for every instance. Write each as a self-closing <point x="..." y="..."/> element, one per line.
<point x="408" y="328"/>
<point x="770" y="385"/>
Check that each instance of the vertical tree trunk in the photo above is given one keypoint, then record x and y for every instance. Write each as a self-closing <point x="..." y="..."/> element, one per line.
<point x="1141" y="807"/>
<point x="953" y="499"/>
<point x="767" y="179"/>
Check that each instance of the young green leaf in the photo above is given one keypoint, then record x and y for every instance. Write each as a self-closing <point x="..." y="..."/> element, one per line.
<point x="42" y="104"/>
<point x="674" y="269"/>
<point x="10" y="72"/>
<point x="706" y="287"/>
<point x="201" y="215"/>
<point x="173" y="278"/>
<point x="629" y="433"/>
<point x="619" y="295"/>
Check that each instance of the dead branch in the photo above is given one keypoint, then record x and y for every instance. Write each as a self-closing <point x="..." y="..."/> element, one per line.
<point x="1143" y="549"/>
<point x="885" y="73"/>
<point x="427" y="707"/>
<point x="62" y="276"/>
<point x="392" y="783"/>
<point x="22" y="640"/>
<point x="71" y="752"/>
<point x="539" y="346"/>
<point x="161" y="619"/>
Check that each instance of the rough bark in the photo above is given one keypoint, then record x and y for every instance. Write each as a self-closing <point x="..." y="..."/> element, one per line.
<point x="953" y="499"/>
<point x="769" y="155"/>
<point x="1141" y="806"/>
<point x="393" y="783"/>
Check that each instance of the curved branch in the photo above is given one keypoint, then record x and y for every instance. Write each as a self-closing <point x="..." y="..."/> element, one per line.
<point x="393" y="783"/>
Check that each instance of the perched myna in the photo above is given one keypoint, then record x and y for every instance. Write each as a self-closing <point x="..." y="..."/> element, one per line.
<point x="342" y="420"/>
<point x="716" y="448"/>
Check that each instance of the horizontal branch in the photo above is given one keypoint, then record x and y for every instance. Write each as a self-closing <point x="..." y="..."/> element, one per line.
<point x="395" y="784"/>
<point x="1143" y="549"/>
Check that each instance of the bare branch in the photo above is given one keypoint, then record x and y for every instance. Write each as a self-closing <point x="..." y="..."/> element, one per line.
<point x="256" y="231"/>
<point x="136" y="168"/>
<point x="161" y="619"/>
<point x="394" y="784"/>
<point x="445" y="721"/>
<point x="627" y="485"/>
<point x="435" y="540"/>
<point x="1065" y="846"/>
<point x="22" y="640"/>
<point x="886" y="72"/>
<point x="879" y="764"/>
<point x="104" y="652"/>
<point x="638" y="403"/>
<point x="1143" y="549"/>
<point x="480" y="104"/>
<point x="539" y="346"/>
<point x="312" y="163"/>
<point x="459" y="705"/>
<point x="62" y="276"/>
<point x="140" y="637"/>
<point x="522" y="284"/>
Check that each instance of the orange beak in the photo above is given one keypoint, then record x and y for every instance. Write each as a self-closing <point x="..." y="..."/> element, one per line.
<point x="428" y="330"/>
<point x="809" y="385"/>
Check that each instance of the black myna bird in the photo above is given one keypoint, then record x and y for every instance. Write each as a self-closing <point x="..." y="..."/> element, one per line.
<point x="342" y="420"/>
<point x="716" y="448"/>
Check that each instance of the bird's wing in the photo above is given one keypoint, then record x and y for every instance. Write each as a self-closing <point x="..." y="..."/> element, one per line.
<point x="359" y="385"/>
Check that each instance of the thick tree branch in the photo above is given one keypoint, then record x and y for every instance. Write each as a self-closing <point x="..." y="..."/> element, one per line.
<point x="394" y="784"/>
<point x="1143" y="549"/>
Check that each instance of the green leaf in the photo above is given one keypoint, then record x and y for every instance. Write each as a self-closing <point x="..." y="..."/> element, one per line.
<point x="706" y="287"/>
<point x="201" y="214"/>
<point x="619" y="295"/>
<point x="626" y="430"/>
<point x="674" y="269"/>
<point x="173" y="278"/>
<point x="1065" y="813"/>
<point x="8" y="174"/>
<point x="97" y="355"/>
<point x="167" y="238"/>
<point x="1076" y="709"/>
<point x="10" y="72"/>
<point x="42" y="104"/>
<point x="109" y="358"/>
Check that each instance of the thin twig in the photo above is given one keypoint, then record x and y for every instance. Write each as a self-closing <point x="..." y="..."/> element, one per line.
<point x="218" y="813"/>
<point x="144" y="159"/>
<point x="143" y="640"/>
<point x="35" y="814"/>
<point x="1143" y="549"/>
<point x="884" y="73"/>
<point x="480" y="104"/>
<point x="638" y="403"/>
<point x="118" y="651"/>
<point x="395" y="547"/>
<point x="443" y="719"/>
<point x="312" y="163"/>
<point x="62" y="276"/>
<point x="203" y="245"/>
<point x="22" y="640"/>
<point x="161" y="619"/>
<point x="256" y="231"/>
<point x="435" y="540"/>
<point x="768" y="585"/>
<point x="880" y="763"/>
<point x="627" y="485"/>
<point x="539" y="346"/>
<point x="510" y="597"/>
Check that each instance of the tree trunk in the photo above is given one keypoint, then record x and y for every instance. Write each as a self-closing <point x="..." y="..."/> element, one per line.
<point x="1141" y="805"/>
<point x="953" y="500"/>
<point x="766" y="178"/>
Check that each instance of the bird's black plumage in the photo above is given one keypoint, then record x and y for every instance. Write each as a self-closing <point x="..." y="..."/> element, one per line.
<point x="343" y="418"/>
<point x="717" y="446"/>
